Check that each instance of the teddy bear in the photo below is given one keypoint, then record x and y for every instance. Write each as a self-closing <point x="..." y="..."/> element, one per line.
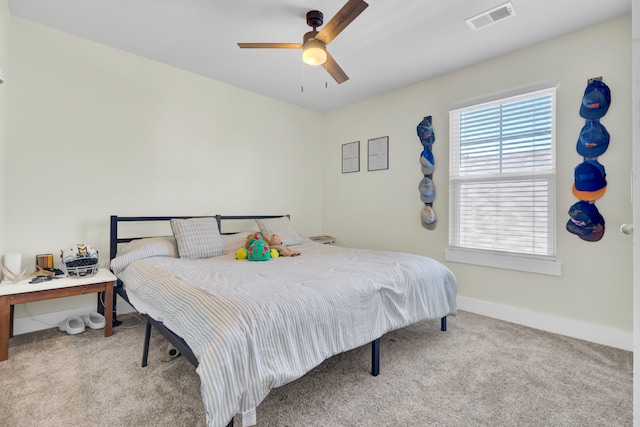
<point x="275" y="242"/>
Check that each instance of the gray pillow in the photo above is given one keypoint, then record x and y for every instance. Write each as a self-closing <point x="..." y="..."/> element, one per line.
<point x="197" y="237"/>
<point x="282" y="226"/>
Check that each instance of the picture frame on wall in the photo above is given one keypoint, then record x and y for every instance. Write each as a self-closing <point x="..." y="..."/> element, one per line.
<point x="378" y="153"/>
<point x="351" y="157"/>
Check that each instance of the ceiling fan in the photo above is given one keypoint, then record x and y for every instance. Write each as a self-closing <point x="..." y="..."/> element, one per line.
<point x="314" y="43"/>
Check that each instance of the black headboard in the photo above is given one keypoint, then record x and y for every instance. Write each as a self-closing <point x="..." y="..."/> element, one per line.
<point x="115" y="237"/>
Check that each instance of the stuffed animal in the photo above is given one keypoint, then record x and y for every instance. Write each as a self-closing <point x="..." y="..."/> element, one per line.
<point x="276" y="243"/>
<point x="256" y="249"/>
<point x="241" y="253"/>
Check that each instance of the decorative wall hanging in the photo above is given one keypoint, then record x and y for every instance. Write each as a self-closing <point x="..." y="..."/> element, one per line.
<point x="590" y="181"/>
<point x="351" y="157"/>
<point x="427" y="188"/>
<point x="378" y="154"/>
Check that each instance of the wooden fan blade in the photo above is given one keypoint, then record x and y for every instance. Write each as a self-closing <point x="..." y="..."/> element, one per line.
<point x="334" y="69"/>
<point x="271" y="45"/>
<point x="339" y="22"/>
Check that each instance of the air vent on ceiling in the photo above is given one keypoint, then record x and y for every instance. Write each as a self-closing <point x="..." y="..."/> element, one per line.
<point x="491" y="16"/>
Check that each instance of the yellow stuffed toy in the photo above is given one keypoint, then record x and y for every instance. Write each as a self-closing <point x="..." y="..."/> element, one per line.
<point x="241" y="253"/>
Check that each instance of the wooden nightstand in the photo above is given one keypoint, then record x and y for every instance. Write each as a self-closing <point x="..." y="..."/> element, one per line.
<point x="21" y="292"/>
<point x="326" y="240"/>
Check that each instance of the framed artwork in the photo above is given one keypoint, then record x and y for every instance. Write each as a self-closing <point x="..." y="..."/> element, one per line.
<point x="351" y="157"/>
<point x="378" y="153"/>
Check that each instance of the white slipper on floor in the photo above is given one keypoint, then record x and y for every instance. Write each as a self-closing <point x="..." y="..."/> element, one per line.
<point x="94" y="320"/>
<point x="72" y="325"/>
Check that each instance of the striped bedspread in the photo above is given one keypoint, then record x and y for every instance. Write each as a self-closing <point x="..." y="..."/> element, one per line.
<point x="255" y="326"/>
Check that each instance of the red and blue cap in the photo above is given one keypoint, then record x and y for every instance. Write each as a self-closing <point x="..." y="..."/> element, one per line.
<point x="593" y="140"/>
<point x="590" y="181"/>
<point x="425" y="132"/>
<point x="596" y="100"/>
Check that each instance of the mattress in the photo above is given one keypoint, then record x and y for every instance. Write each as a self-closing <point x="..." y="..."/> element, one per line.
<point x="254" y="326"/>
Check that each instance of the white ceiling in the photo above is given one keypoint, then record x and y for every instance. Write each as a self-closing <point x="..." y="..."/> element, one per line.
<point x="392" y="44"/>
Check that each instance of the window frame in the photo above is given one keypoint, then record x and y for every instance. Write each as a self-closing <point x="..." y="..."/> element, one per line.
<point x="543" y="264"/>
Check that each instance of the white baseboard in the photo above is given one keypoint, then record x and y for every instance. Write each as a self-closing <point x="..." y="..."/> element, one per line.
<point x="558" y="325"/>
<point x="38" y="322"/>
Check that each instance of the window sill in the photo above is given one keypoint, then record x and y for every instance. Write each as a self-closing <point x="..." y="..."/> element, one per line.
<point x="506" y="261"/>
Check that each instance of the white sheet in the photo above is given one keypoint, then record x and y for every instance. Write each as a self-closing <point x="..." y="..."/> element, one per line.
<point x="255" y="326"/>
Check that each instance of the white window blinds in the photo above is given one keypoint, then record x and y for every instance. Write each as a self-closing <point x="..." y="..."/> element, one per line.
<point x="502" y="175"/>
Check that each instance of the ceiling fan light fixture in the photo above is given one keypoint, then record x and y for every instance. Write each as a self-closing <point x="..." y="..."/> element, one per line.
<point x="314" y="52"/>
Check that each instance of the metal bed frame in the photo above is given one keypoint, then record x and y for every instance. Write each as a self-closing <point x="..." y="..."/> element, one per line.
<point x="175" y="340"/>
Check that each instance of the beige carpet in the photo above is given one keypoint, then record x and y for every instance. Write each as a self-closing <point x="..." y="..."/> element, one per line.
<point x="481" y="372"/>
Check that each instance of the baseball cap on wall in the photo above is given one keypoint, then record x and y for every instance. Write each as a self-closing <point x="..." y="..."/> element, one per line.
<point x="585" y="221"/>
<point x="427" y="190"/>
<point x="427" y="162"/>
<point x="425" y="132"/>
<point x="593" y="140"/>
<point x="590" y="181"/>
<point x="428" y="217"/>
<point x="596" y="100"/>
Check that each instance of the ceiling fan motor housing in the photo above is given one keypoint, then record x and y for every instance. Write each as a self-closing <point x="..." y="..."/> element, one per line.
<point x="314" y="18"/>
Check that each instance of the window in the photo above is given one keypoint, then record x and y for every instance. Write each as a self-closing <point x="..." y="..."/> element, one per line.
<point x="502" y="183"/>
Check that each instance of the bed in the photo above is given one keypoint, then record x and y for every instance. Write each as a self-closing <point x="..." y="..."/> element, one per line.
<point x="251" y="326"/>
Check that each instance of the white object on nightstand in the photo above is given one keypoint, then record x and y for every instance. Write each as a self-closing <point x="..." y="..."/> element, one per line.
<point x="326" y="240"/>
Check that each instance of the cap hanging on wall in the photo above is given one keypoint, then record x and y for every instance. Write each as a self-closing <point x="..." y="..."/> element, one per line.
<point x="593" y="140"/>
<point x="596" y="100"/>
<point x="590" y="181"/>
<point x="425" y="133"/>
<point x="585" y="221"/>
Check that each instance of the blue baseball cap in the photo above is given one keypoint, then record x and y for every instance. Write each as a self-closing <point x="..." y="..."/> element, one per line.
<point x="585" y="221"/>
<point x="427" y="162"/>
<point x="596" y="100"/>
<point x="427" y="190"/>
<point x="590" y="181"/>
<point x="593" y="140"/>
<point x="425" y="132"/>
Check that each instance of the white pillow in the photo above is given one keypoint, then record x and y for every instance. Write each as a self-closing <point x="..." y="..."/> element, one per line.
<point x="197" y="237"/>
<point x="235" y="241"/>
<point x="282" y="226"/>
<point x="144" y="248"/>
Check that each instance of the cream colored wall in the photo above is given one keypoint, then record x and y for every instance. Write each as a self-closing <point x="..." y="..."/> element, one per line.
<point x="95" y="131"/>
<point x="381" y="209"/>
<point x="4" y="63"/>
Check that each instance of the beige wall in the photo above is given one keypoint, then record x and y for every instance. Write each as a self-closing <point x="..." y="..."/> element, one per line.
<point x="4" y="63"/>
<point x="381" y="209"/>
<point x="95" y="131"/>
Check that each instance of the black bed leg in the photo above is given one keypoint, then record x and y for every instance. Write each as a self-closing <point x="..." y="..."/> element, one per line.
<point x="375" y="357"/>
<point x="443" y="324"/>
<point x="147" y="339"/>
